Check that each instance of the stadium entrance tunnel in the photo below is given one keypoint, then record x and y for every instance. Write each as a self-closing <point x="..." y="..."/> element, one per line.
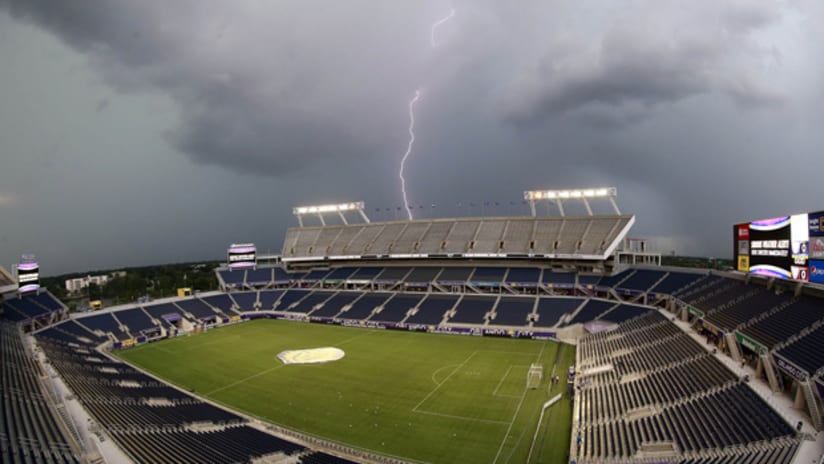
<point x="311" y="356"/>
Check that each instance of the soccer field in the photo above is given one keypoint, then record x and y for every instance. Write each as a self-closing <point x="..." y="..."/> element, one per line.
<point x="425" y="397"/>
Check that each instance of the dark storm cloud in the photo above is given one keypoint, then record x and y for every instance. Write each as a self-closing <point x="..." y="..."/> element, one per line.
<point x="264" y="92"/>
<point x="680" y="104"/>
<point x="269" y="89"/>
<point x="646" y="58"/>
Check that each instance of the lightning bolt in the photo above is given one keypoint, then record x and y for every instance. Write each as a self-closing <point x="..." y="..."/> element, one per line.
<point x="438" y="23"/>
<point x="409" y="150"/>
<point x="412" y="102"/>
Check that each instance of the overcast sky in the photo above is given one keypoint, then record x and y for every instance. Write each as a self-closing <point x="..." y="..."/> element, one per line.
<point x="140" y="132"/>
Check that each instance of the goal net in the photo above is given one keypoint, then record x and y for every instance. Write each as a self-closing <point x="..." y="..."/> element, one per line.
<point x="534" y="376"/>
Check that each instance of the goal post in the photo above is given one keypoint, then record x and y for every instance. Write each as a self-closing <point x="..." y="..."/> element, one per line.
<point x="534" y="376"/>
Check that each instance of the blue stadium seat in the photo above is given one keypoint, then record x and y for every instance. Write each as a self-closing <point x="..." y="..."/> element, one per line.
<point x="513" y="311"/>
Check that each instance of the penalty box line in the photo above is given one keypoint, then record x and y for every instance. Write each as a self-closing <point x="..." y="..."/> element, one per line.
<point x="238" y="382"/>
<point x="515" y="416"/>
<point x="461" y="365"/>
<point x="501" y="382"/>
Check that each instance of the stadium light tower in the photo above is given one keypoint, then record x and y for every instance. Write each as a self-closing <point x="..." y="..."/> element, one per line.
<point x="320" y="210"/>
<point x="559" y="196"/>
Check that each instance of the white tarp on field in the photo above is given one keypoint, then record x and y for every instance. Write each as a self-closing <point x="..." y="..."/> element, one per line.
<point x="310" y="356"/>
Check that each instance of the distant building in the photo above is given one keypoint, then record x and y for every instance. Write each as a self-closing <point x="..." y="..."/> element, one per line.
<point x="81" y="283"/>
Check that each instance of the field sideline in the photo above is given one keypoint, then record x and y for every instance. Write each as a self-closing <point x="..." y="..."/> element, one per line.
<point x="426" y="397"/>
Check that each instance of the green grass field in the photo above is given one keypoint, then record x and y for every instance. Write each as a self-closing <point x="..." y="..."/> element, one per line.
<point x="425" y="397"/>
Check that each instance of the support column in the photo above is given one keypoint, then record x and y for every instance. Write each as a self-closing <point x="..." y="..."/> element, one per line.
<point x="735" y="352"/>
<point x="772" y="376"/>
<point x="813" y="405"/>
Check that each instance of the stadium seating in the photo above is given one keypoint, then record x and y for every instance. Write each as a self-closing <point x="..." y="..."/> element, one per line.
<point x="407" y="241"/>
<point x="558" y="278"/>
<point x="233" y="278"/>
<point x="556" y="236"/>
<point x="591" y="310"/>
<point x="323" y="458"/>
<point x="623" y="312"/>
<point x="363" y="307"/>
<point x="704" y="285"/>
<point x="163" y="431"/>
<point x="268" y="298"/>
<point x="29" y="432"/>
<point x="665" y="391"/>
<point x="162" y="312"/>
<point x="589" y="280"/>
<point x="423" y="275"/>
<point x="551" y="309"/>
<point x="473" y="309"/>
<point x="616" y="279"/>
<point x="806" y="352"/>
<point x="197" y="308"/>
<point x="460" y="235"/>
<point x="365" y="274"/>
<point x="455" y="275"/>
<point x="28" y="307"/>
<point x="260" y="277"/>
<point x="393" y="274"/>
<point x="71" y="331"/>
<point x="47" y="300"/>
<point x="642" y="280"/>
<point x="527" y="276"/>
<point x="105" y="323"/>
<point x="718" y="420"/>
<point x="308" y="303"/>
<point x="782" y="325"/>
<point x="431" y="310"/>
<point x="675" y="281"/>
<point x="137" y="321"/>
<point x="777" y="455"/>
<point x="729" y="291"/>
<point x="734" y="313"/>
<point x="341" y="273"/>
<point x="489" y="276"/>
<point x="517" y="236"/>
<point x="222" y="302"/>
<point x="289" y="298"/>
<point x="488" y="238"/>
<point x="245" y="301"/>
<point x="396" y="308"/>
<point x="316" y="275"/>
<point x="281" y="276"/>
<point x="435" y="237"/>
<point x="335" y="304"/>
<point x="513" y="311"/>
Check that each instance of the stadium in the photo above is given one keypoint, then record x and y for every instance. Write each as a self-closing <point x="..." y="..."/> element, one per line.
<point x="517" y="339"/>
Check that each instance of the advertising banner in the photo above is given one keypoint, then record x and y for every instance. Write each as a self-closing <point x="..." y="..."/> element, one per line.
<point x="750" y="343"/>
<point x="816" y="271"/>
<point x="790" y="368"/>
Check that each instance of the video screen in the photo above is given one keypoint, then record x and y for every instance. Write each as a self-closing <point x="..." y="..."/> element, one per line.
<point x="786" y="247"/>
<point x="242" y="256"/>
<point x="28" y="277"/>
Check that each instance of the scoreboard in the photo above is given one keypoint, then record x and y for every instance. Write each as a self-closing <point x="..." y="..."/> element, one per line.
<point x="28" y="275"/>
<point x="242" y="256"/>
<point x="786" y="247"/>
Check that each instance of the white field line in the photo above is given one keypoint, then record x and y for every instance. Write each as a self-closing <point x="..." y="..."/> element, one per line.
<point x="515" y="416"/>
<point x="238" y="382"/>
<point x="501" y="382"/>
<point x="471" y="419"/>
<point x="440" y="369"/>
<point x="508" y="352"/>
<point x="415" y="409"/>
<point x="264" y="372"/>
